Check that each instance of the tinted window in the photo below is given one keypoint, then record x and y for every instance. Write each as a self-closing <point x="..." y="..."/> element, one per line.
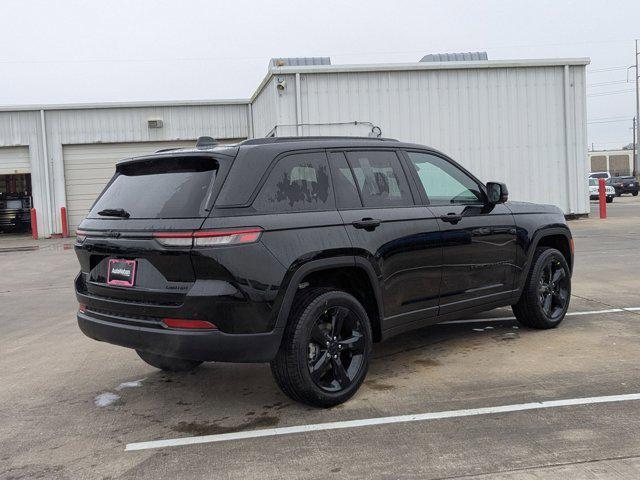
<point x="297" y="182"/>
<point x="343" y="182"/>
<point x="443" y="182"/>
<point x="161" y="188"/>
<point x="380" y="179"/>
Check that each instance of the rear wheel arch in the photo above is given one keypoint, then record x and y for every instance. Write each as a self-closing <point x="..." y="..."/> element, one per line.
<point x="352" y="275"/>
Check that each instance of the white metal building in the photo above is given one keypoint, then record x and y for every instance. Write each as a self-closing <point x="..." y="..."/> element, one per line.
<point x="617" y="162"/>
<point x="521" y="122"/>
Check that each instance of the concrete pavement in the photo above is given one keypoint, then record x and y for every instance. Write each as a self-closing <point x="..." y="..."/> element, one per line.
<point x="52" y="376"/>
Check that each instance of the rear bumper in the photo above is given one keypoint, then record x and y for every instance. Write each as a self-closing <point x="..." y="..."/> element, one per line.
<point x="197" y="345"/>
<point x="620" y="190"/>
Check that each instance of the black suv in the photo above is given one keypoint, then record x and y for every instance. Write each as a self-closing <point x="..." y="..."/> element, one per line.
<point x="626" y="184"/>
<point x="302" y="252"/>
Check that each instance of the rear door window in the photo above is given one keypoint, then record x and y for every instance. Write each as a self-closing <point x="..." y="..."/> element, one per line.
<point x="380" y="178"/>
<point x="298" y="182"/>
<point x="343" y="182"/>
<point x="174" y="187"/>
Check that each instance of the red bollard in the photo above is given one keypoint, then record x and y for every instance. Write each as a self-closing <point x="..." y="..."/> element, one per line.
<point x="34" y="224"/>
<point x="65" y="225"/>
<point x="602" y="195"/>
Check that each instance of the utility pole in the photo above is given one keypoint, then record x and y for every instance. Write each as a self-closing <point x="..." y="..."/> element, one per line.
<point x="637" y="119"/>
<point x="635" y="146"/>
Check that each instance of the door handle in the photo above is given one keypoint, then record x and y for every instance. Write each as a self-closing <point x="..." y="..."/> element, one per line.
<point x="451" y="218"/>
<point x="369" y="224"/>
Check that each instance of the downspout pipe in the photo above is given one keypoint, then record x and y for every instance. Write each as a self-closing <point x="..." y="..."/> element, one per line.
<point x="568" y="160"/>
<point x="298" y="106"/>
<point x="45" y="151"/>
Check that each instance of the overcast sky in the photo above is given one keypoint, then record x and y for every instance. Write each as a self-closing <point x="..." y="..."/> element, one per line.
<point x="64" y="51"/>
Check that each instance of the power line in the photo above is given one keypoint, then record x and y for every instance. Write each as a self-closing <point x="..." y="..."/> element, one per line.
<point x="613" y="82"/>
<point x="609" y="121"/>
<point x="604" y="94"/>
<point x="619" y="117"/>
<point x="607" y="69"/>
<point x="336" y="54"/>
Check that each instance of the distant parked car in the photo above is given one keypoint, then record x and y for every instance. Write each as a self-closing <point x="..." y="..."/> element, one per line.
<point x="594" y="193"/>
<point x="605" y="175"/>
<point x="626" y="184"/>
<point x="15" y="212"/>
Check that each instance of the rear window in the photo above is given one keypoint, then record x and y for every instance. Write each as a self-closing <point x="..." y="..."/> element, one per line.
<point x="178" y="187"/>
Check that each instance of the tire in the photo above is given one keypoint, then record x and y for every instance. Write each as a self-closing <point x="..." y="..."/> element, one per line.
<point x="635" y="194"/>
<point x="530" y="310"/>
<point x="315" y="314"/>
<point x="168" y="364"/>
<point x="609" y="199"/>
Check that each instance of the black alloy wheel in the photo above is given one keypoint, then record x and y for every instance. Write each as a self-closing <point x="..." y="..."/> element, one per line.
<point x="336" y="349"/>
<point x="326" y="347"/>
<point x="547" y="291"/>
<point x="553" y="290"/>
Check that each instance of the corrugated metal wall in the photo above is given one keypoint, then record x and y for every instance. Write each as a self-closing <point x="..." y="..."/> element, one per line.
<point x="107" y="125"/>
<point x="504" y="124"/>
<point x="23" y="129"/>
<point x="263" y="109"/>
<point x="524" y="125"/>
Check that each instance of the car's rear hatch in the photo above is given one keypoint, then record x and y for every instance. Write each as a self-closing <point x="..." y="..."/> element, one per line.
<point x="134" y="247"/>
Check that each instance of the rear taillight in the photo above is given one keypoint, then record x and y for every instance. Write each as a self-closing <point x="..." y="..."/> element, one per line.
<point x="208" y="238"/>
<point x="226" y="237"/>
<point x="174" y="239"/>
<point x="188" y="324"/>
<point x="82" y="308"/>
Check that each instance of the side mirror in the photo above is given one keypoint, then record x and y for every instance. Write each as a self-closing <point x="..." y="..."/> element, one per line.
<point x="497" y="192"/>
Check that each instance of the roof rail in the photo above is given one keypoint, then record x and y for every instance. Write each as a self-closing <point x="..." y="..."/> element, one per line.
<point x="263" y="141"/>
<point x="167" y="149"/>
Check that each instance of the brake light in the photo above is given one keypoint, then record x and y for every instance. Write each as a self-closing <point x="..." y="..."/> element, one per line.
<point x="82" y="308"/>
<point x="208" y="238"/>
<point x="571" y="246"/>
<point x="188" y="324"/>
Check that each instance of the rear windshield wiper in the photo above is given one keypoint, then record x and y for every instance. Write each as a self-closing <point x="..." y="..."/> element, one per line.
<point x="114" y="212"/>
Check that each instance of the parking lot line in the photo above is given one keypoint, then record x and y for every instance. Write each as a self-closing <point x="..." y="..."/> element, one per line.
<point x="271" y="432"/>
<point x="588" y="312"/>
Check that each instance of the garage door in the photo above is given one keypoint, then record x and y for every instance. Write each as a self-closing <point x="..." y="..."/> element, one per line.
<point x="88" y="168"/>
<point x="14" y="160"/>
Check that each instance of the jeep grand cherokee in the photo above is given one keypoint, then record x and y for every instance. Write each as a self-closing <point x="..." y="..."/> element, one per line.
<point x="302" y="252"/>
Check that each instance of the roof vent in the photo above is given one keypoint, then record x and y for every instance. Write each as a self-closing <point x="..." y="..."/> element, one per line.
<point x="206" y="142"/>
<point x="299" y="61"/>
<point x="455" y="57"/>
